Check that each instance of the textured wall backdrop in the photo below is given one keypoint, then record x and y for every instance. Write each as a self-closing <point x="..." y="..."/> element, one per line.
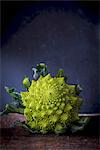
<point x="61" y="38"/>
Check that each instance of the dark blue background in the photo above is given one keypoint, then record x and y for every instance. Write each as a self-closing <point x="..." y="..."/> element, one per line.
<point x="61" y="34"/>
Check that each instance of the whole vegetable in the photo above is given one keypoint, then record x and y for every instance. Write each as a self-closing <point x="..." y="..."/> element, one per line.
<point x="50" y="104"/>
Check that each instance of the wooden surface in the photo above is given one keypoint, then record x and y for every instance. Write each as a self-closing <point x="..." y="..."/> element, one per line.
<point x="19" y="138"/>
<point x="49" y="142"/>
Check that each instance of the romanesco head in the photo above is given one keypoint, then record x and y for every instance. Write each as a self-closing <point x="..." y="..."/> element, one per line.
<point x="50" y="104"/>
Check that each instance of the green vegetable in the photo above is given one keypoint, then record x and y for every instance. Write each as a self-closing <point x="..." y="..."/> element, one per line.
<point x="50" y="104"/>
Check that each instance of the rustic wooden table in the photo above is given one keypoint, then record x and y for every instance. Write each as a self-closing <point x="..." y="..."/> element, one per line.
<point x="20" y="139"/>
<point x="50" y="142"/>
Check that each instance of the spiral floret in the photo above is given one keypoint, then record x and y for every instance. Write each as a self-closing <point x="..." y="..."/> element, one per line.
<point x="50" y="104"/>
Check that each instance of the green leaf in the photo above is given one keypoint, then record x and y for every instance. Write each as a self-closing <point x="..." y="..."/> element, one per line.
<point x="78" y="89"/>
<point x="80" y="124"/>
<point x="4" y="112"/>
<point x="16" y="106"/>
<point x="76" y="128"/>
<point x="12" y="93"/>
<point x="16" y="96"/>
<point x="26" y="82"/>
<point x="41" y="69"/>
<point x="61" y="74"/>
<point x="84" y="120"/>
<point x="23" y="124"/>
<point x="9" y="108"/>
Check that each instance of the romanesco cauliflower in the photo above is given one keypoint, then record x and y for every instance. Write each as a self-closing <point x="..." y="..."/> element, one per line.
<point x="50" y="104"/>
